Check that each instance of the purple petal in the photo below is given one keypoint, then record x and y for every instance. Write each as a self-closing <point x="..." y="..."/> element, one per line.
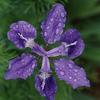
<point x="72" y="74"/>
<point x="21" y="67"/>
<point x="76" y="50"/>
<point x="50" y="98"/>
<point x="22" y="34"/>
<point x="70" y="36"/>
<point x="45" y="65"/>
<point x="38" y="50"/>
<point x="45" y="85"/>
<point x="52" y="27"/>
<point x="58" y="51"/>
<point x="71" y="50"/>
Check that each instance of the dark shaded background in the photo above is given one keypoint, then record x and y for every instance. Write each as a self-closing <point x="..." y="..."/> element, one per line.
<point x="83" y="15"/>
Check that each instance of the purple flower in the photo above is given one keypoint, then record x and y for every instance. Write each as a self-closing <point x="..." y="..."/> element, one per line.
<point x="71" y="45"/>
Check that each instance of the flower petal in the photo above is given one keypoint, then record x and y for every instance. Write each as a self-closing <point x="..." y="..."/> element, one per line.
<point x="50" y="98"/>
<point x="76" y="50"/>
<point x="38" y="50"/>
<point x="46" y="86"/>
<point x="72" y="74"/>
<point x="70" y="36"/>
<point x="21" y="67"/>
<point x="22" y="34"/>
<point x="71" y="50"/>
<point x="52" y="27"/>
<point x="57" y="51"/>
<point x="45" y="65"/>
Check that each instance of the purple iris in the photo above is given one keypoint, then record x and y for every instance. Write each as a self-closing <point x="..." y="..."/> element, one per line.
<point x="23" y="35"/>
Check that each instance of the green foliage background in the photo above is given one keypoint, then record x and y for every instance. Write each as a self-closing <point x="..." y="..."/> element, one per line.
<point x="82" y="14"/>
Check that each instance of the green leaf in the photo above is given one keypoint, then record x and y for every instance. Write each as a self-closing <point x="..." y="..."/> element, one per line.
<point x="80" y="96"/>
<point x="83" y="8"/>
<point x="90" y="27"/>
<point x="92" y="53"/>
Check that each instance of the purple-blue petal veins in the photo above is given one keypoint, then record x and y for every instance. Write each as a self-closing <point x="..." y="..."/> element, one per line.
<point x="73" y="43"/>
<point x="22" y="34"/>
<point x="38" y="50"/>
<point x="52" y="27"/>
<point x="20" y="67"/>
<point x="45" y="65"/>
<point x="57" y="51"/>
<point x="46" y="85"/>
<point x="71" y="73"/>
<point x="76" y="50"/>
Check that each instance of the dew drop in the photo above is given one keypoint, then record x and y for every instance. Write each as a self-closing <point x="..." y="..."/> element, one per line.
<point x="45" y="33"/>
<point x="48" y="27"/>
<point x="51" y="19"/>
<point x="70" y="77"/>
<point x="59" y="24"/>
<point x="75" y="70"/>
<point x="61" y="72"/>
<point x="70" y="66"/>
<point x="62" y="14"/>
<point x="75" y="80"/>
<point x="16" y="26"/>
<point x="57" y="31"/>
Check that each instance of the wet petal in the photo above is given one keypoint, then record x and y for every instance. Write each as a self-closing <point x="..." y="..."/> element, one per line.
<point x="70" y="36"/>
<point x="52" y="27"/>
<point x="22" y="34"/>
<point x="38" y="50"/>
<point x="72" y="50"/>
<point x="71" y="73"/>
<point x="57" y="51"/>
<point x="50" y="98"/>
<point x="76" y="50"/>
<point x="72" y="42"/>
<point x="21" y="67"/>
<point x="45" y="85"/>
<point x="45" y="65"/>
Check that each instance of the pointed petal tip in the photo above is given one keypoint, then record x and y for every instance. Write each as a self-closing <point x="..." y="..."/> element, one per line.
<point x="87" y="84"/>
<point x="52" y="27"/>
<point x="72" y="74"/>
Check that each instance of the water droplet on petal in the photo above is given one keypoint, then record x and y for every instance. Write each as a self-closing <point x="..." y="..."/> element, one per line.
<point x="59" y="24"/>
<point x="70" y="66"/>
<point x="75" y="80"/>
<point x="48" y="27"/>
<point x="51" y="19"/>
<point x="45" y="33"/>
<point x="75" y="70"/>
<point x="62" y="73"/>
<point x="57" y="31"/>
<point x="62" y="14"/>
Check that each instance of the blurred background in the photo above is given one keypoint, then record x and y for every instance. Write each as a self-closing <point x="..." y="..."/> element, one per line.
<point x="83" y="15"/>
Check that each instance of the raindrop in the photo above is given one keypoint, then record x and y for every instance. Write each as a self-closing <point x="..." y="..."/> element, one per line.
<point x="61" y="72"/>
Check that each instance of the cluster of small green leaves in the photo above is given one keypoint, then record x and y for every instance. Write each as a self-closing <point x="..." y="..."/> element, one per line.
<point x="82" y="14"/>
